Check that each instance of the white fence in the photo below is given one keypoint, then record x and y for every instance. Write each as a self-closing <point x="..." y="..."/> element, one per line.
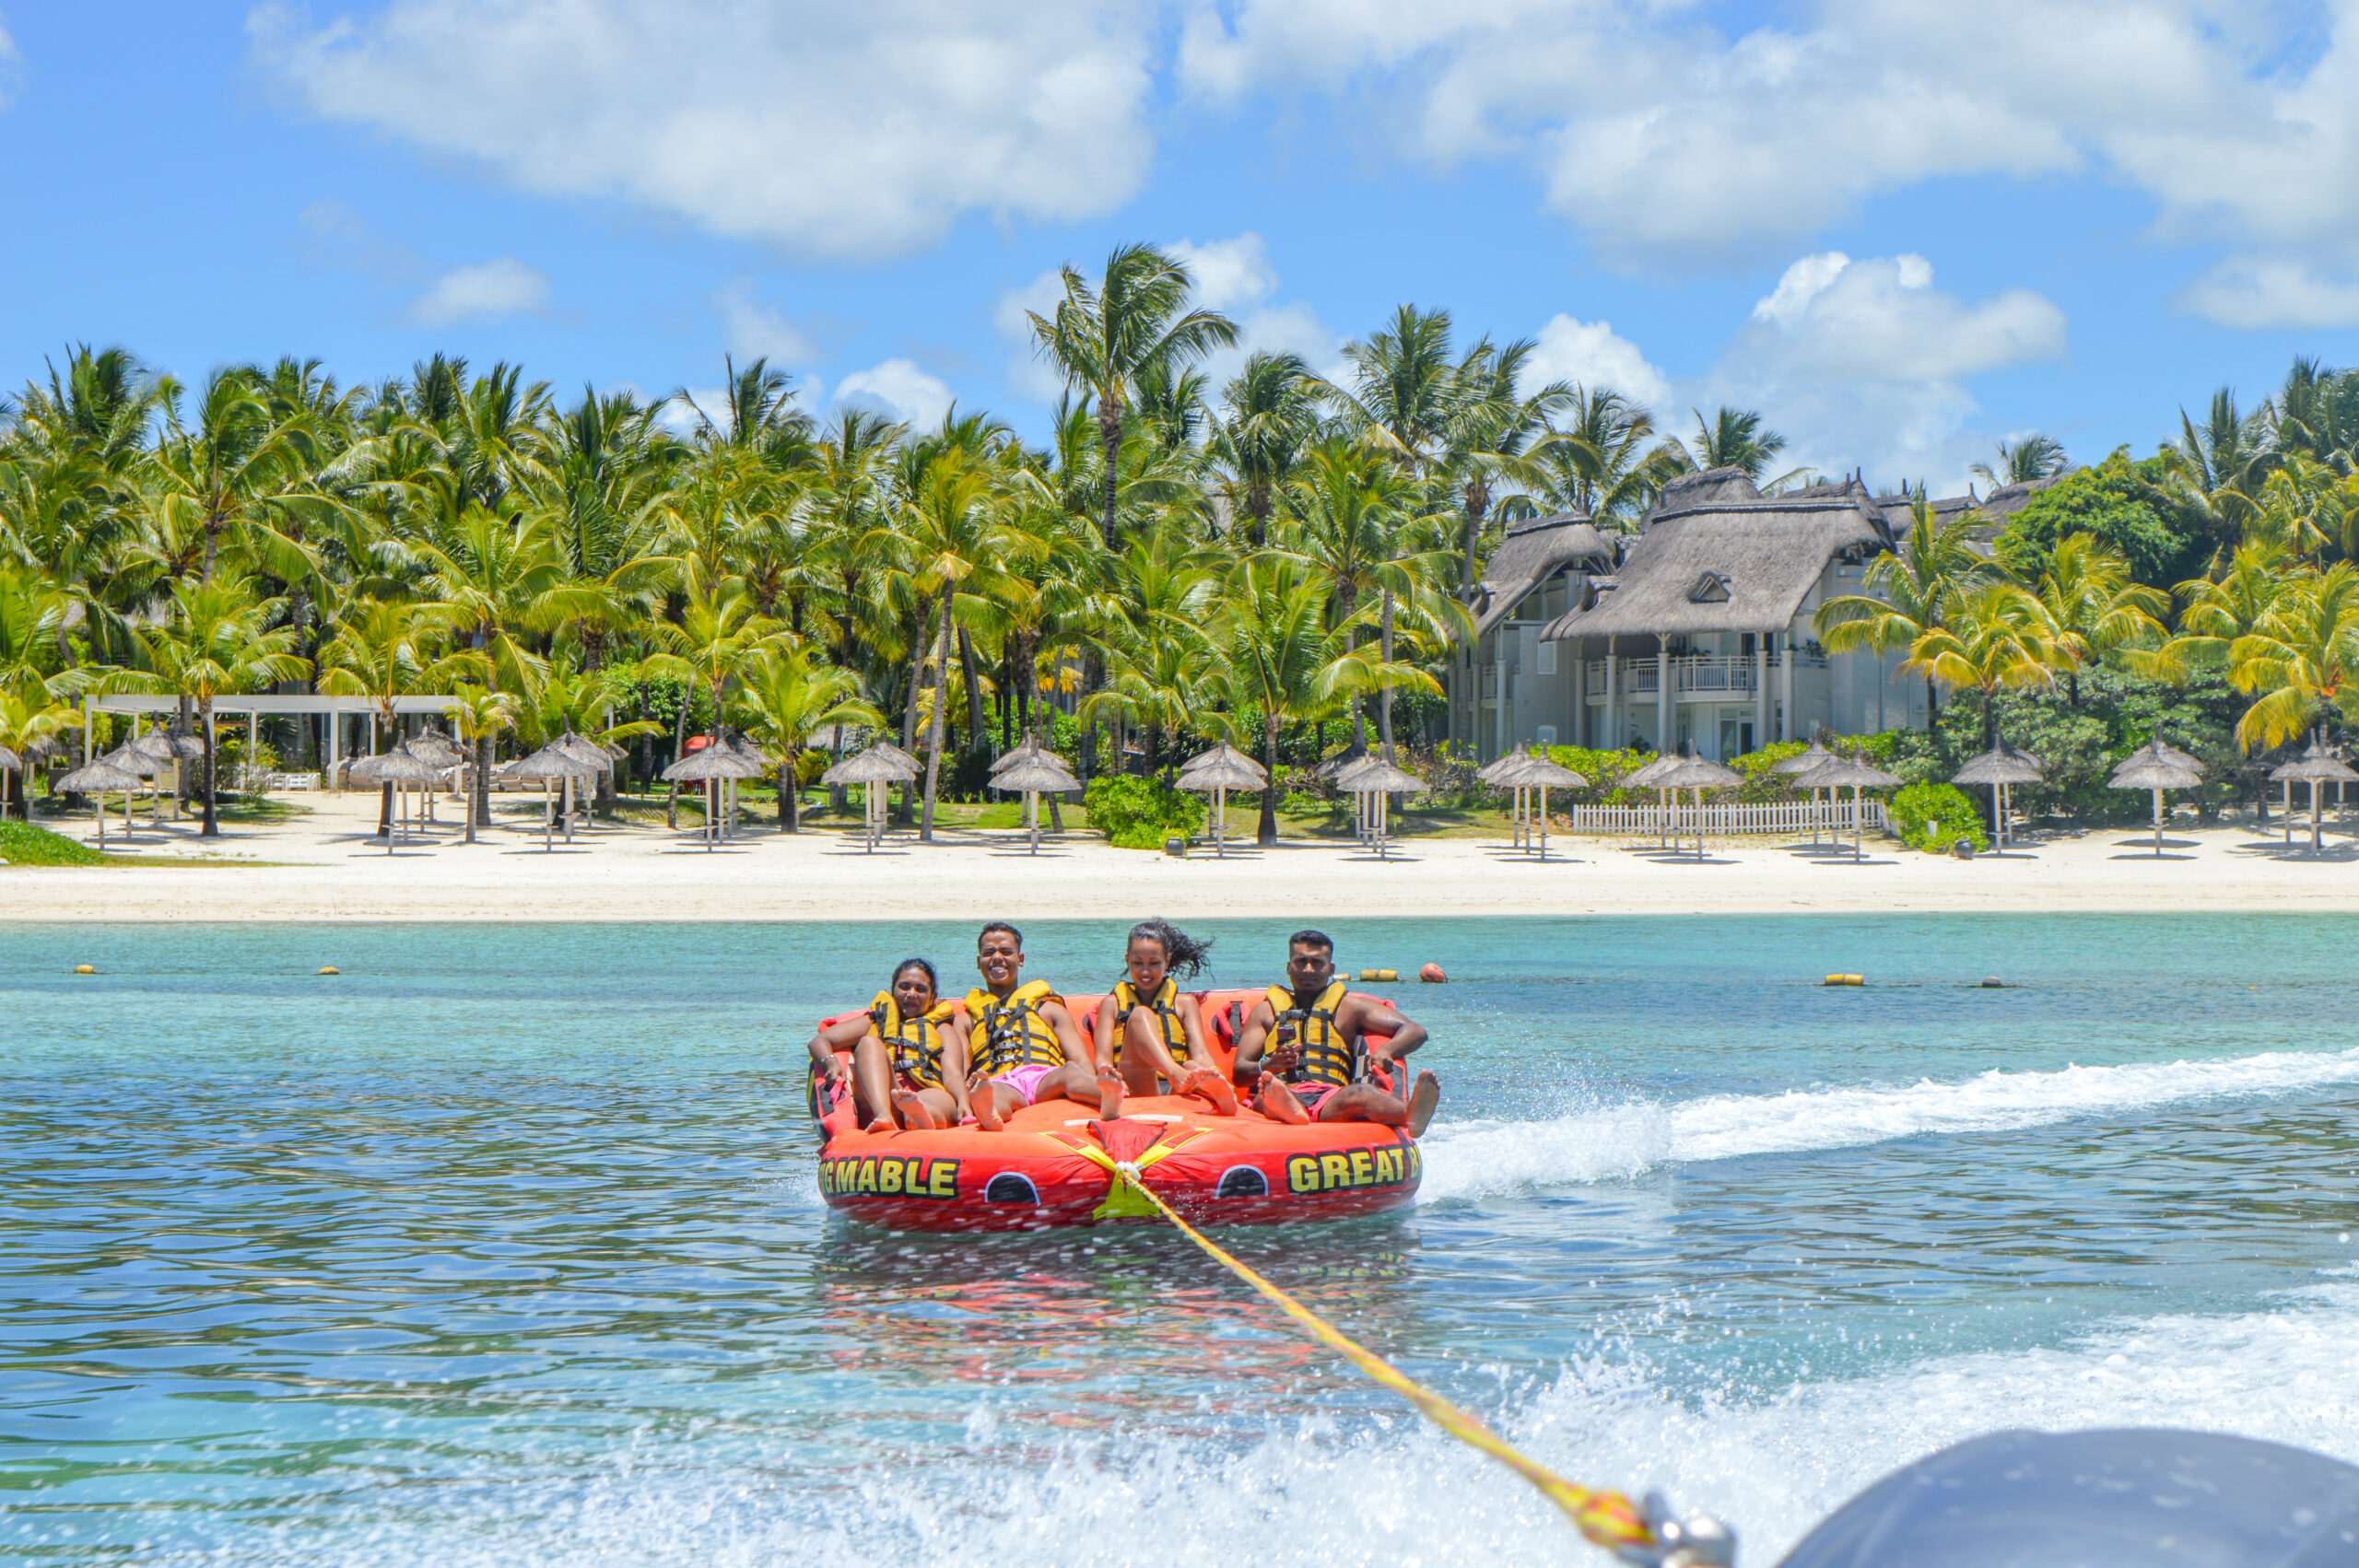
<point x="1729" y="820"/>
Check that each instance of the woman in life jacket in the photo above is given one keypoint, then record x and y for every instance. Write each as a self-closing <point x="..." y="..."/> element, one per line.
<point x="1151" y="1034"/>
<point x="1315" y="1052"/>
<point x="908" y="1056"/>
<point x="1024" y="1045"/>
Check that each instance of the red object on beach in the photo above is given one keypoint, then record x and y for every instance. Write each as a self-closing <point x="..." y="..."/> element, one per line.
<point x="1431" y="974"/>
<point x="1217" y="1170"/>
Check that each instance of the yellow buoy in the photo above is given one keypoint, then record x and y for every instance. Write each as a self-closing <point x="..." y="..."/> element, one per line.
<point x="1847" y="979"/>
<point x="1380" y="974"/>
<point x="86" y="968"/>
<point x="330" y="969"/>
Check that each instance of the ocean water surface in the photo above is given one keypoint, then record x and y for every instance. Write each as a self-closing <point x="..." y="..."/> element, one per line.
<point x="503" y="1246"/>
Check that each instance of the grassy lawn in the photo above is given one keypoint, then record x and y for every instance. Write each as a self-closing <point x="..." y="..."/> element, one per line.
<point x="30" y="844"/>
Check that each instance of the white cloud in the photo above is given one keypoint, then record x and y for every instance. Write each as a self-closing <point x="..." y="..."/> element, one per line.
<point x="1228" y="272"/>
<point x="753" y="330"/>
<point x="830" y="129"/>
<point x="1860" y="364"/>
<point x="900" y="389"/>
<point x="2259" y="291"/>
<point x="1593" y="355"/>
<point x="1661" y="136"/>
<point x="486" y="289"/>
<point x="1832" y="318"/>
<point x="11" y="67"/>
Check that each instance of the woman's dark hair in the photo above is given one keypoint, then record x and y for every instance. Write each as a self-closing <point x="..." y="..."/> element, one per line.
<point x="906" y="965"/>
<point x="1184" y="953"/>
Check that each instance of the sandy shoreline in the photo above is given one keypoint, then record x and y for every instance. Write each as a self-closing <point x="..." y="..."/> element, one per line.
<point x="325" y="868"/>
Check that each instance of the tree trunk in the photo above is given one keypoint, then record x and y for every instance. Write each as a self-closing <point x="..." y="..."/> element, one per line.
<point x="790" y="808"/>
<point x="479" y="791"/>
<point x="384" y="811"/>
<point x="1384" y="710"/>
<point x="212" y="828"/>
<point x="1109" y="437"/>
<point x="976" y="736"/>
<point x="909" y="709"/>
<point x="1256" y="506"/>
<point x="679" y="750"/>
<point x="1266" y="834"/>
<point x="934" y="724"/>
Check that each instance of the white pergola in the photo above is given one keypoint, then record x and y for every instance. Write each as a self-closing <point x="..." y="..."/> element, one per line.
<point x="140" y="704"/>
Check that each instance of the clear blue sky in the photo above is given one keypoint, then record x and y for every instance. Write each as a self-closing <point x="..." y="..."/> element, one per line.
<point x="1901" y="229"/>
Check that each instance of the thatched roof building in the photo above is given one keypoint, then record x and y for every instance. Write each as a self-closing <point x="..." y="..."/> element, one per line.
<point x="1533" y="552"/>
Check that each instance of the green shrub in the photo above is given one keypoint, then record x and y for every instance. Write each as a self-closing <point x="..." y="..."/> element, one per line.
<point x="27" y="844"/>
<point x="1921" y="810"/>
<point x="1140" y="813"/>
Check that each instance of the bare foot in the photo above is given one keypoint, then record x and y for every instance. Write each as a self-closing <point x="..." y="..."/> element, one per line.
<point x="1109" y="1096"/>
<point x="1274" y="1100"/>
<point x="1211" y="1088"/>
<point x="883" y="1124"/>
<point x="916" y="1115"/>
<point x="1422" y="1101"/>
<point x="982" y="1099"/>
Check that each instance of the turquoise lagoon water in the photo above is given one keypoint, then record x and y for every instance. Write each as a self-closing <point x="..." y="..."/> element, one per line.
<point x="503" y="1246"/>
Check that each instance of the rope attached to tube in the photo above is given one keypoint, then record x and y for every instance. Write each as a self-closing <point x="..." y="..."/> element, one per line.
<point x="1609" y="1519"/>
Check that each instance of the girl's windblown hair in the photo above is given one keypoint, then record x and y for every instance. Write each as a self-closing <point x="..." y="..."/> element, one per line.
<point x="1182" y="952"/>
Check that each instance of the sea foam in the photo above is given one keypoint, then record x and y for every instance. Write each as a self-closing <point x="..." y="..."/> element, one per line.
<point x="1474" y="1158"/>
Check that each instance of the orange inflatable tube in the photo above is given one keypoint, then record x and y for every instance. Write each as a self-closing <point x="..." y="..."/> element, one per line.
<point x="1244" y="1169"/>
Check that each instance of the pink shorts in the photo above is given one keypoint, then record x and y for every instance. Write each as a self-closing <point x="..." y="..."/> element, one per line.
<point x="1314" y="1096"/>
<point x="1024" y="1081"/>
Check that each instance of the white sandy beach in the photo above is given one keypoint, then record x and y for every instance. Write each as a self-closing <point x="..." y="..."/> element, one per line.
<point x="324" y="866"/>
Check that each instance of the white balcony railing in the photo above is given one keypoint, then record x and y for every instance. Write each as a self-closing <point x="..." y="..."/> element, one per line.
<point x="1701" y="673"/>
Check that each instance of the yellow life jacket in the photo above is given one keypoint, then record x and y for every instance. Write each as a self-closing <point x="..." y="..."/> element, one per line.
<point x="1164" y="1003"/>
<point x="1323" y="1055"/>
<point x="915" y="1042"/>
<point x="1010" y="1032"/>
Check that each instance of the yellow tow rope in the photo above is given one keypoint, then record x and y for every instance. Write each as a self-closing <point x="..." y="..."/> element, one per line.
<point x="1608" y="1519"/>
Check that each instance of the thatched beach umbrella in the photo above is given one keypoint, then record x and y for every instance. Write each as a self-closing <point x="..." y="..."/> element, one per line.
<point x="1838" y="771"/>
<point x="1649" y="775"/>
<point x="1217" y="772"/>
<point x="2316" y="766"/>
<point x="436" y="750"/>
<point x="2002" y="767"/>
<point x="97" y="780"/>
<point x="551" y="765"/>
<point x="879" y="765"/>
<point x="714" y="763"/>
<point x="399" y="768"/>
<point x="149" y="766"/>
<point x="1692" y="770"/>
<point x="2151" y="768"/>
<point x="1014" y="758"/>
<point x="1035" y="776"/>
<point x="1543" y="774"/>
<point x="1508" y="773"/>
<point x="1376" y="781"/>
<point x="1805" y="762"/>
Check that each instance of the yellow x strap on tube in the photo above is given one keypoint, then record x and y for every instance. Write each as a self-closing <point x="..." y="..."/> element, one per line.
<point x="1609" y="1519"/>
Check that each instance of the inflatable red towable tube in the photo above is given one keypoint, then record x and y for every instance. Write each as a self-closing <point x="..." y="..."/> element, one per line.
<point x="1244" y="1169"/>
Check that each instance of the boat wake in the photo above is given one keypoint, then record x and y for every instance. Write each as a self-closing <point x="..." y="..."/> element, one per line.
<point x="1391" y="1491"/>
<point x="1476" y="1158"/>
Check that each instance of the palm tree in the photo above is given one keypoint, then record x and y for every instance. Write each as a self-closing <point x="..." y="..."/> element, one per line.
<point x="1734" y="438"/>
<point x="1908" y="593"/>
<point x="2026" y="462"/>
<point x="496" y="582"/>
<point x="2220" y="466"/>
<point x="956" y="552"/>
<point x="2305" y="508"/>
<point x="233" y="475"/>
<point x="1603" y="459"/>
<point x="477" y="716"/>
<point x="387" y="651"/>
<point x="1104" y="337"/>
<point x="220" y="642"/>
<point x="784" y="697"/>
<point x="2300" y="657"/>
<point x="2093" y="606"/>
<point x="28" y="722"/>
<point x="1271" y="416"/>
<point x="1278" y="658"/>
<point x="1994" y="637"/>
<point x="720" y="631"/>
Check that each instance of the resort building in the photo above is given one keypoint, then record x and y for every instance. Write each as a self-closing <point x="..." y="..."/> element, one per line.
<point x="1700" y="631"/>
